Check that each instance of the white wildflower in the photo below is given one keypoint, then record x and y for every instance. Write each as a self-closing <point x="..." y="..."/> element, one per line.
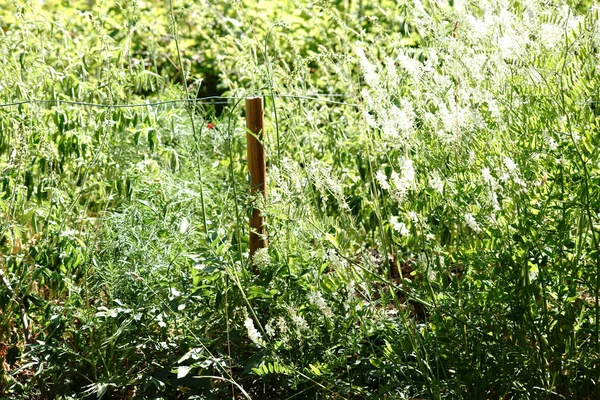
<point x="326" y="182"/>
<point x="184" y="225"/>
<point x="399" y="227"/>
<point x="520" y="182"/>
<point x="491" y="181"/>
<point x="412" y="66"/>
<point x="370" y="120"/>
<point x="366" y="98"/>
<point x="368" y="69"/>
<point x="459" y="5"/>
<point x="435" y="182"/>
<point x="351" y="291"/>
<point x="253" y="334"/>
<point x="494" y="199"/>
<point x="275" y="196"/>
<point x="550" y="35"/>
<point x="298" y="320"/>
<point x="317" y="300"/>
<point x="471" y="158"/>
<point x="509" y="46"/>
<point x="413" y="217"/>
<point x="382" y="179"/>
<point x="68" y="233"/>
<point x="477" y="27"/>
<point x="301" y="322"/>
<point x="391" y="74"/>
<point x="335" y="260"/>
<point x="493" y="106"/>
<point x="487" y="177"/>
<point x="448" y="118"/>
<point x="408" y="171"/>
<point x="403" y="182"/>
<point x="552" y="145"/>
<point x="261" y="258"/>
<point x="402" y="118"/>
<point x="291" y="169"/>
<point x="510" y="165"/>
<point x="533" y="273"/>
<point x="276" y="176"/>
<point x="396" y="180"/>
<point x="476" y="64"/>
<point x="282" y="325"/>
<point x="388" y="125"/>
<point x="471" y="222"/>
<point x="446" y="137"/>
<point x="269" y="329"/>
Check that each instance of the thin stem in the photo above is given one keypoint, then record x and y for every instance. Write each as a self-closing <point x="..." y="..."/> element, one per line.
<point x="227" y="330"/>
<point x="234" y="186"/>
<point x="190" y="111"/>
<point x="272" y="93"/>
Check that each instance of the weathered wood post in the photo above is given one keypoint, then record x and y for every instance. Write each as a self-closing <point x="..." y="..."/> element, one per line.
<point x="257" y="166"/>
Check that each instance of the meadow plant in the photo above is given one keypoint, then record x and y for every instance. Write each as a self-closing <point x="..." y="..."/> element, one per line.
<point x="432" y="220"/>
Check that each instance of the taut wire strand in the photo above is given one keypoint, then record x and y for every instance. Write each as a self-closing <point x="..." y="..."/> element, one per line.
<point x="201" y="100"/>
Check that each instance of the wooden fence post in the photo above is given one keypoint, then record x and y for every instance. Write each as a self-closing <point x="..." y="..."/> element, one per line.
<point x="257" y="166"/>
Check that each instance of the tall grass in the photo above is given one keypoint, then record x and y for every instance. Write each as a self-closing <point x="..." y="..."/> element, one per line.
<point x="433" y="231"/>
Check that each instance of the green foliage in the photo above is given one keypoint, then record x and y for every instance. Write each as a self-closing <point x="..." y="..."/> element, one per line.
<point x="433" y="221"/>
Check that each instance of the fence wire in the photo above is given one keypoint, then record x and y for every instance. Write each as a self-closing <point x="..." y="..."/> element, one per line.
<point x="209" y="100"/>
<point x="213" y="100"/>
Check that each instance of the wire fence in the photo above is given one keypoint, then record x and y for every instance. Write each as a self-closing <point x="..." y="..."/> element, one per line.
<point x="213" y="100"/>
<point x="209" y="100"/>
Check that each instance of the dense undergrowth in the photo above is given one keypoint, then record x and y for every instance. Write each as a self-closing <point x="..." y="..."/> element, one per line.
<point x="432" y="203"/>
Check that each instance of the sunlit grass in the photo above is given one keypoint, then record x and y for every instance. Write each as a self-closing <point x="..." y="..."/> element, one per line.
<point x="433" y="232"/>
